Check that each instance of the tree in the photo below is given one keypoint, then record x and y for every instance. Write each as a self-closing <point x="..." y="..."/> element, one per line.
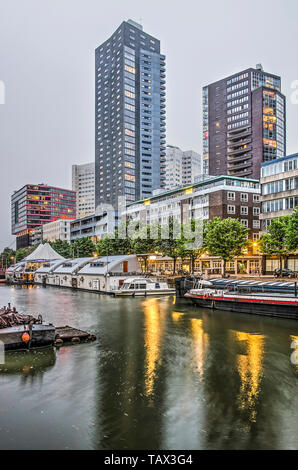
<point x="292" y="232"/>
<point x="21" y="253"/>
<point x="82" y="248"/>
<point x="142" y="244"/>
<point x="274" y="241"/>
<point x="226" y="238"/>
<point x="7" y="256"/>
<point x="114" y="244"/>
<point x="195" y="241"/>
<point x="62" y="247"/>
<point x="171" y="246"/>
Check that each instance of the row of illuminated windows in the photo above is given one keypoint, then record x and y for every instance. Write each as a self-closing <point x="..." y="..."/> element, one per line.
<point x="238" y="116"/>
<point x="243" y="197"/>
<point x="236" y="79"/>
<point x="280" y="204"/>
<point x="231" y="209"/>
<point x="238" y="101"/>
<point x="238" y="93"/>
<point x="238" y="109"/>
<point x="279" y="186"/>
<point x="237" y="86"/>
<point x="238" y="124"/>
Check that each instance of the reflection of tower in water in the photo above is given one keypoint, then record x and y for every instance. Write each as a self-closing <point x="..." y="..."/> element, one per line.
<point x="152" y="342"/>
<point x="250" y="369"/>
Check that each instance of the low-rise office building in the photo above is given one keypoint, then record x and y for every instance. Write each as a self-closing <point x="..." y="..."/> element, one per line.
<point x="57" y="230"/>
<point x="95" y="226"/>
<point x="221" y="196"/>
<point x="279" y="188"/>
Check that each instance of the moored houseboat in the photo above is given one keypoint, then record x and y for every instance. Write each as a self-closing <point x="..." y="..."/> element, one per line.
<point x="142" y="286"/>
<point x="274" y="305"/>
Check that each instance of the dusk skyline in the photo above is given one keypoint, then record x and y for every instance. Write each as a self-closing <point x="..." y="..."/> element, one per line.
<point x="47" y="65"/>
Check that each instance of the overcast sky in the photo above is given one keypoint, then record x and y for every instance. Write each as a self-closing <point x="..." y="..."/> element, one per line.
<point x="47" y="64"/>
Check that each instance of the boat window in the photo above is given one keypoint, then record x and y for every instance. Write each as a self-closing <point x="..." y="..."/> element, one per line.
<point x="125" y="286"/>
<point x="132" y="286"/>
<point x="143" y="286"/>
<point x="157" y="285"/>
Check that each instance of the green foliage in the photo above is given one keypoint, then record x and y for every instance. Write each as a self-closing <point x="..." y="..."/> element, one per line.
<point x="292" y="232"/>
<point x="225" y="238"/>
<point x="274" y="241"/>
<point x="62" y="247"/>
<point x="22" y="253"/>
<point x="7" y="257"/>
<point x="82" y="248"/>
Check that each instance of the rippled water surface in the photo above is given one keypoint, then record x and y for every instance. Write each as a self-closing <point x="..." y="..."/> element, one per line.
<point x="162" y="374"/>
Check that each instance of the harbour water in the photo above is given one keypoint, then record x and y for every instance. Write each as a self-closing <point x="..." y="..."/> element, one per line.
<point x="162" y="375"/>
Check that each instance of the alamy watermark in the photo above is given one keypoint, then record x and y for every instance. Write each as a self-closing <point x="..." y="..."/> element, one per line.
<point x="294" y="355"/>
<point x="2" y="92"/>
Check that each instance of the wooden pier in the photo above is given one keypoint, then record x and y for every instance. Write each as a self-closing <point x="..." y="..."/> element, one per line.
<point x="67" y="334"/>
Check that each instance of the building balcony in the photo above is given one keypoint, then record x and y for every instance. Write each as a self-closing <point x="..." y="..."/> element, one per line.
<point x="239" y="150"/>
<point x="240" y="174"/>
<point x="236" y="142"/>
<point x="239" y="164"/>
<point x="239" y="159"/>
<point x="231" y="135"/>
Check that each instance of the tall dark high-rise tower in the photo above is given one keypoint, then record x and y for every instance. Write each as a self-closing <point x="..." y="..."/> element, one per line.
<point x="129" y="116"/>
<point x="244" y="123"/>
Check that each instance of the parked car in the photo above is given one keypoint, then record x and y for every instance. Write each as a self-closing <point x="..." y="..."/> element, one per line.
<point x="285" y="273"/>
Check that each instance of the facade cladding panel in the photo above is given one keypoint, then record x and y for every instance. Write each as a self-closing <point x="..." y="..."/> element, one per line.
<point x="243" y="123"/>
<point x="36" y="205"/>
<point x="129" y="117"/>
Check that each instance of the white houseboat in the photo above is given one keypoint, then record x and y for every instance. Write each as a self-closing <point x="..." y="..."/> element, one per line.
<point x="103" y="274"/>
<point x="143" y="286"/>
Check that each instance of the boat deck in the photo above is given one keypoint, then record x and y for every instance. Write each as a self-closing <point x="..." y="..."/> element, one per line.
<point x="67" y="334"/>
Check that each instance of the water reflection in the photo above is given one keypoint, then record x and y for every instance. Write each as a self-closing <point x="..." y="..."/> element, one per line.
<point x="161" y="375"/>
<point x="29" y="365"/>
<point x="200" y="343"/>
<point x="152" y="341"/>
<point x="250" y="369"/>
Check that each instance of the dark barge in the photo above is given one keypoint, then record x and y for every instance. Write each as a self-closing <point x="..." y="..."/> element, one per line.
<point x="269" y="304"/>
<point x="18" y="331"/>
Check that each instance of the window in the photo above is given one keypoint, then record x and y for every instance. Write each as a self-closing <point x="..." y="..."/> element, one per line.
<point x="256" y="198"/>
<point x="231" y="209"/>
<point x="256" y="224"/>
<point x="244" y="222"/>
<point x="244" y="210"/>
<point x="244" y="197"/>
<point x="256" y="211"/>
<point x="231" y="196"/>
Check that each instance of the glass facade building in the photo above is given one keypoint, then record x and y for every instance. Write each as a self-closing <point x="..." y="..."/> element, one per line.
<point x="129" y="116"/>
<point x="244" y="123"/>
<point x="35" y="205"/>
<point x="279" y="188"/>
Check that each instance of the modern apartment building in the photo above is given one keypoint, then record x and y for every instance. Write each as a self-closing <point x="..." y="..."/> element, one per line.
<point x="36" y="205"/>
<point x="279" y="188"/>
<point x="56" y="230"/>
<point x="181" y="167"/>
<point x="129" y="115"/>
<point x="221" y="196"/>
<point x="83" y="183"/>
<point x="94" y="226"/>
<point x="244" y="123"/>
